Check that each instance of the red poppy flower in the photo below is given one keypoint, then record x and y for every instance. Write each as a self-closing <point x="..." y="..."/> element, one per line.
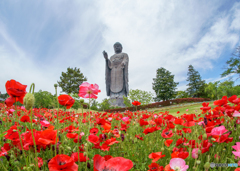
<point x="66" y="100"/>
<point x="72" y="135"/>
<point x="136" y="103"/>
<point x="156" y="156"/>
<point x="111" y="141"/>
<point x="205" y="145"/>
<point x="4" y="150"/>
<point x="40" y="162"/>
<point x="94" y="131"/>
<point x="166" y="133"/>
<point x="9" y="101"/>
<point x="187" y="130"/>
<point x="149" y="130"/>
<point x="168" y="142"/>
<point x="25" y="118"/>
<point x="93" y="139"/>
<point x="221" y="102"/>
<point x="16" y="92"/>
<point x="79" y="157"/>
<point x="62" y="162"/>
<point x="138" y="137"/>
<point x="115" y="163"/>
<point x="155" y="167"/>
<point x="168" y="168"/>
<point x="48" y="137"/>
<point x="205" y="107"/>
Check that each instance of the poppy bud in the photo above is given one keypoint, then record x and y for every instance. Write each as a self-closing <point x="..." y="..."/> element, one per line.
<point x="55" y="85"/>
<point x="28" y="101"/>
<point x="88" y="165"/>
<point x="162" y="149"/>
<point x="204" y="136"/>
<point x="199" y="152"/>
<point x="207" y="165"/>
<point x="81" y="101"/>
<point x="198" y="161"/>
<point x="213" y="139"/>
<point x="32" y="165"/>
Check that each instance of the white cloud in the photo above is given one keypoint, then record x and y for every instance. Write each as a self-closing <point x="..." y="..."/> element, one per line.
<point x="169" y="34"/>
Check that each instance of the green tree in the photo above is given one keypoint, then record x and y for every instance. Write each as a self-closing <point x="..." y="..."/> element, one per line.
<point x="104" y="105"/>
<point x="71" y="80"/>
<point x="226" y="88"/>
<point x="76" y="104"/>
<point x="211" y="90"/>
<point x="44" y="99"/>
<point x="94" y="105"/>
<point x="181" y="94"/>
<point x="164" y="85"/>
<point x="233" y="64"/>
<point x="196" y="85"/>
<point x="142" y="96"/>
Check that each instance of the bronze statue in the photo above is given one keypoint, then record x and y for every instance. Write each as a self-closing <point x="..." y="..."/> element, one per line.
<point x="117" y="75"/>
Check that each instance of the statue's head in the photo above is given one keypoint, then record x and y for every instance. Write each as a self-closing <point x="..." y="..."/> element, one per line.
<point x="117" y="47"/>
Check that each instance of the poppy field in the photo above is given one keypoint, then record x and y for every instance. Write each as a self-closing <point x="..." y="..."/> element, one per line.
<point x="61" y="140"/>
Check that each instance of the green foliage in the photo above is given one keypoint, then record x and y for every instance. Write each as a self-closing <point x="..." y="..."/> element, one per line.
<point x="233" y="64"/>
<point x="104" y="105"/>
<point x="4" y="96"/>
<point x="164" y="85"/>
<point x="94" y="104"/>
<point x="71" y="80"/>
<point x="138" y="95"/>
<point x="77" y="103"/>
<point x="181" y="94"/>
<point x="45" y="99"/>
<point x="218" y="89"/>
<point x="126" y="101"/>
<point x="211" y="90"/>
<point x="196" y="86"/>
<point x="226" y="88"/>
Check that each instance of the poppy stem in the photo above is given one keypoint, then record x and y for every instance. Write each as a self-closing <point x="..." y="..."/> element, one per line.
<point x="3" y="165"/>
<point x="19" y="133"/>
<point x="89" y="117"/>
<point x="57" y="122"/>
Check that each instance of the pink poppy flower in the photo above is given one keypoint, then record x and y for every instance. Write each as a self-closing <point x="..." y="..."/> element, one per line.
<point x="236" y="114"/>
<point x="11" y="110"/>
<point x="200" y="123"/>
<point x="45" y="123"/>
<point x="178" y="164"/>
<point x="87" y="90"/>
<point x="237" y="148"/>
<point x="218" y="130"/>
<point x="22" y="107"/>
<point x="195" y="153"/>
<point x="125" y="119"/>
<point x="187" y="110"/>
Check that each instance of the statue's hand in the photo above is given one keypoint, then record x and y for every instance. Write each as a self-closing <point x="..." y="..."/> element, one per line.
<point x="105" y="55"/>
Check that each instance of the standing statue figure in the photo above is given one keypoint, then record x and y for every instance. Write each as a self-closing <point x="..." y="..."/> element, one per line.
<point x="117" y="75"/>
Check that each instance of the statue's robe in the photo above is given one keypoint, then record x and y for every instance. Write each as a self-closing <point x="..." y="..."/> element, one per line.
<point x="117" y="75"/>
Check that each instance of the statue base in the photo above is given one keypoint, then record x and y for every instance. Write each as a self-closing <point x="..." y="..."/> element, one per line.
<point x="116" y="101"/>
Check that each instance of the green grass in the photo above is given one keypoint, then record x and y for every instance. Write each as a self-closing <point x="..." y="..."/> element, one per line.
<point x="192" y="108"/>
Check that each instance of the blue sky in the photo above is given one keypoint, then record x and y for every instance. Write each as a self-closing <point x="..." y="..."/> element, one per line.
<point x="41" y="39"/>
